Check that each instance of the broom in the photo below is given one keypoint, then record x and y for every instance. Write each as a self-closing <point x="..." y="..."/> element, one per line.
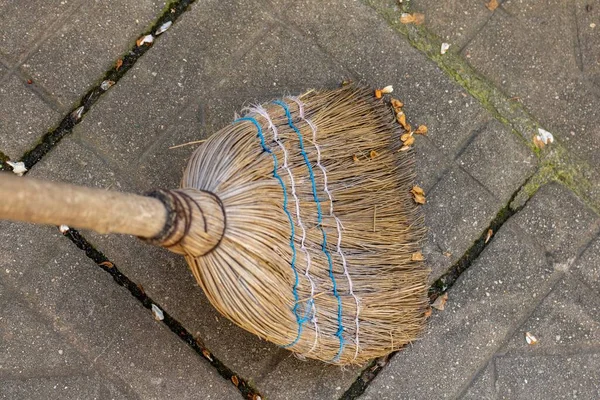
<point x="296" y="220"/>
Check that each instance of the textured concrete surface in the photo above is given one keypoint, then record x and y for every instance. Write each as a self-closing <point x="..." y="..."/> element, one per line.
<point x="69" y="331"/>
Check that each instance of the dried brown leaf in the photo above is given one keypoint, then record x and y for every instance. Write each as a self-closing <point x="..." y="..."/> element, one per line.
<point x="440" y="302"/>
<point x="418" y="256"/>
<point x="373" y="154"/>
<point x="538" y="142"/>
<point x="401" y="118"/>
<point x="419" y="18"/>
<point x="417" y="190"/>
<point x="207" y="355"/>
<point x="119" y="64"/>
<point x="378" y="93"/>
<point x="421" y="130"/>
<point x="419" y="199"/>
<point x="235" y="380"/>
<point x="405" y="137"/>
<point x="428" y="312"/>
<point x="492" y="5"/>
<point x="410" y="141"/>
<point x="397" y="104"/>
<point x="407" y="18"/>
<point x="488" y="236"/>
<point x="106" y="264"/>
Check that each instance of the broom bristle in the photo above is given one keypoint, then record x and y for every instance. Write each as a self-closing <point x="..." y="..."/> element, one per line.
<point x="320" y="226"/>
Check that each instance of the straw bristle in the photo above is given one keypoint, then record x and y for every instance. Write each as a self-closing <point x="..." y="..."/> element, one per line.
<point x="303" y="294"/>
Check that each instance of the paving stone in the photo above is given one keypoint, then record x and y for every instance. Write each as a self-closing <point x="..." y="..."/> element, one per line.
<point x="456" y="22"/>
<point x="24" y="24"/>
<point x="458" y="209"/>
<point x="430" y="97"/>
<point x="567" y="321"/>
<point x="587" y="267"/>
<point x="484" y="307"/>
<point x="559" y="221"/>
<point x="296" y="379"/>
<point x="430" y="163"/>
<point x="75" y="163"/>
<point x="16" y="242"/>
<point x="499" y="160"/>
<point x="270" y="71"/>
<point x="61" y="388"/>
<point x="75" y="57"/>
<point x="550" y="377"/>
<point x="30" y="118"/>
<point x="180" y="68"/>
<point x="104" y="323"/>
<point x="483" y="387"/>
<point x="555" y="89"/>
<point x="28" y="346"/>
<point x="588" y="21"/>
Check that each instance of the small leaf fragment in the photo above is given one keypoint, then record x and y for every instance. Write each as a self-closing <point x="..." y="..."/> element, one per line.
<point x="107" y="264"/>
<point x="405" y="136"/>
<point x="418" y="256"/>
<point x="355" y="158"/>
<point x="492" y="5"/>
<point x="397" y="104"/>
<point x="488" y="236"/>
<point x="410" y="141"/>
<point x="407" y="18"/>
<point x="207" y="355"/>
<point x="421" y="130"/>
<point x="530" y="339"/>
<point x="447" y="254"/>
<point x="419" y="18"/>
<point x="235" y="380"/>
<point x="401" y="118"/>
<point x="404" y="148"/>
<point x="119" y="64"/>
<point x="428" y="312"/>
<point x="440" y="302"/>
<point x="378" y="93"/>
<point x="417" y="190"/>
<point x="419" y="199"/>
<point x="373" y="154"/>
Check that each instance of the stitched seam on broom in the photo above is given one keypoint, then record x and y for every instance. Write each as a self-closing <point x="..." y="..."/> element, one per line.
<point x="340" y="330"/>
<point x="293" y="262"/>
<point x="332" y="214"/>
<point x="260" y="110"/>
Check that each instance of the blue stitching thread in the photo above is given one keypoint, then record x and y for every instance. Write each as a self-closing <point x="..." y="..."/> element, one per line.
<point x="293" y="246"/>
<point x="339" y="332"/>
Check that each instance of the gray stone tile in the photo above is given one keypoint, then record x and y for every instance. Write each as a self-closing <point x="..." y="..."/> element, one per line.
<point x="458" y="210"/>
<point x="559" y="221"/>
<point x="27" y="118"/>
<point x="72" y="387"/>
<point x="180" y="69"/>
<point x="499" y="160"/>
<point x="307" y="380"/>
<point x="75" y="57"/>
<point x="587" y="18"/>
<point x="549" y="377"/>
<point x="556" y="90"/>
<point x="23" y="24"/>
<point x="431" y="163"/>
<point x="456" y="21"/>
<point x="73" y="162"/>
<point x="587" y="267"/>
<point x="386" y="58"/>
<point x="26" y="246"/>
<point x="482" y="388"/>
<point x="483" y="308"/>
<point x="104" y="323"/>
<point x="28" y="346"/>
<point x="567" y="320"/>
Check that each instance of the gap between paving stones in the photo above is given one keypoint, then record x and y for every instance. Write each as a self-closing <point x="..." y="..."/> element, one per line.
<point x="137" y="291"/>
<point x="557" y="163"/>
<point x="171" y="13"/>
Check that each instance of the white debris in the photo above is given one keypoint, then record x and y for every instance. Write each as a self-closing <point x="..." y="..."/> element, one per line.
<point x="148" y="39"/>
<point x="387" y="89"/>
<point x="530" y="339"/>
<point x="63" y="229"/>
<point x="158" y="313"/>
<point x="445" y="47"/>
<point x="105" y="85"/>
<point x="76" y="115"/>
<point x="545" y="136"/>
<point x="163" y="27"/>
<point x="17" y="167"/>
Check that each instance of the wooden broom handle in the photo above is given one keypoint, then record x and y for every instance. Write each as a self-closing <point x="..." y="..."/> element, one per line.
<point x="186" y="221"/>
<point x="41" y="202"/>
